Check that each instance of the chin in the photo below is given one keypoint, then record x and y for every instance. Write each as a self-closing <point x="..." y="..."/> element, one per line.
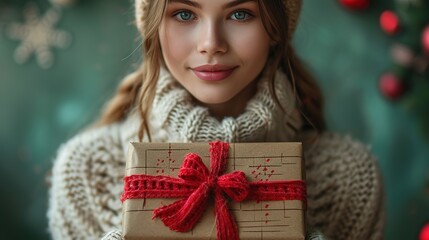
<point x="212" y="100"/>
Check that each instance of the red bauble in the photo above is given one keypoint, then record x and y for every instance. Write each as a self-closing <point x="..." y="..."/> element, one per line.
<point x="424" y="234"/>
<point x="355" y="4"/>
<point x="391" y="86"/>
<point x="425" y="39"/>
<point x="389" y="22"/>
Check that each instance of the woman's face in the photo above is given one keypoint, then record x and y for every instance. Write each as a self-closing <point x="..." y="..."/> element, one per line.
<point x="215" y="49"/>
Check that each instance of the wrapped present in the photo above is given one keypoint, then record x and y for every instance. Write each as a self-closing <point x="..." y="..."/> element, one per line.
<point x="214" y="190"/>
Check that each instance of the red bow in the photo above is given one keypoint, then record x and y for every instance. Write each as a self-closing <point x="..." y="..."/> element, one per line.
<point x="195" y="183"/>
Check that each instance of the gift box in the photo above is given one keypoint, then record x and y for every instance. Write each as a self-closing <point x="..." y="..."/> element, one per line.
<point x="216" y="190"/>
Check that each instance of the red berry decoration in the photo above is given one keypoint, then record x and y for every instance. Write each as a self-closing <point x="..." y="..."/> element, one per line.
<point x="425" y="39"/>
<point x="391" y="86"/>
<point x="389" y="22"/>
<point x="424" y="234"/>
<point x="355" y="4"/>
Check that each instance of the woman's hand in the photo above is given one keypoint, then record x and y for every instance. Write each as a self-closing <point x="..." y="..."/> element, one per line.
<point x="113" y="235"/>
<point x="315" y="235"/>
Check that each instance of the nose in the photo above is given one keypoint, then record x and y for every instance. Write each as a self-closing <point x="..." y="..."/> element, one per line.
<point x="212" y="39"/>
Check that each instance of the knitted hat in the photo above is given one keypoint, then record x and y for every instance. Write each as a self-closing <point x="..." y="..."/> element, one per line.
<point x="293" y="8"/>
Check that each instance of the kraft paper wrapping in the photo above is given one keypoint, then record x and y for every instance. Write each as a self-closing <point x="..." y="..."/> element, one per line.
<point x="256" y="220"/>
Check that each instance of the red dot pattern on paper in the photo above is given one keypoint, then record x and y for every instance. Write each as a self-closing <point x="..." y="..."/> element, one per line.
<point x="263" y="172"/>
<point x="164" y="165"/>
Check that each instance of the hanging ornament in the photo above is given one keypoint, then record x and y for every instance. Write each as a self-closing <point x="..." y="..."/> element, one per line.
<point x="389" y="22"/>
<point x="407" y="24"/>
<point x="355" y="4"/>
<point x="38" y="36"/>
<point x="424" y="233"/>
<point x="391" y="86"/>
<point x="425" y="39"/>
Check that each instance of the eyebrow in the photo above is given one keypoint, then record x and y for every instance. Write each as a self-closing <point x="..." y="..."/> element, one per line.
<point x="235" y="3"/>
<point x="197" y="5"/>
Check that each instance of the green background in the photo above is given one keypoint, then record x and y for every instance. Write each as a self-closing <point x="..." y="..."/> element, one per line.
<point x="40" y="109"/>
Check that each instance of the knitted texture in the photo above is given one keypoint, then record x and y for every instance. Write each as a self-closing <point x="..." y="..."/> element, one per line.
<point x="186" y="122"/>
<point x="343" y="184"/>
<point x="117" y="235"/>
<point x="345" y="170"/>
<point x="85" y="186"/>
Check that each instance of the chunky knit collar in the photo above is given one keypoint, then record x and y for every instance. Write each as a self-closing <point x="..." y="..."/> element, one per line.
<point x="176" y="118"/>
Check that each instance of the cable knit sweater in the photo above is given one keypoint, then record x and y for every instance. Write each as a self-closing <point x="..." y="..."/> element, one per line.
<point x="345" y="199"/>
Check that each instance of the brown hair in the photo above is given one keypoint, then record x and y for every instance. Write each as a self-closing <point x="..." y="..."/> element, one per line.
<point x="138" y="88"/>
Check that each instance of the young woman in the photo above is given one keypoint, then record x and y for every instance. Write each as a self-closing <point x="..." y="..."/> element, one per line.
<point x="216" y="70"/>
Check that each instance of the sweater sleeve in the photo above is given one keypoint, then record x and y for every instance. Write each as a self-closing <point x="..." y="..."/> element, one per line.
<point x="345" y="197"/>
<point x="84" y="200"/>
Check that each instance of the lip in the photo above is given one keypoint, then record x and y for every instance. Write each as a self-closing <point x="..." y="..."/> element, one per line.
<point x="216" y="72"/>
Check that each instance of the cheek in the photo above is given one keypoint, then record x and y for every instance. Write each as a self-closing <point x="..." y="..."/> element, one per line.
<point x="251" y="43"/>
<point x="176" y="44"/>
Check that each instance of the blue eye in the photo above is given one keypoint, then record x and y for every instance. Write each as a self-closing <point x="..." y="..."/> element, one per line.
<point x="240" y="16"/>
<point x="184" y="16"/>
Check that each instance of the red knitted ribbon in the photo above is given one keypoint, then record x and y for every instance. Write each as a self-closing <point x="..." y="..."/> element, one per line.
<point x="194" y="185"/>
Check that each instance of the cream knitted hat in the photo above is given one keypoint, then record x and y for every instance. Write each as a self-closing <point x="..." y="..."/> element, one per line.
<point x="293" y="8"/>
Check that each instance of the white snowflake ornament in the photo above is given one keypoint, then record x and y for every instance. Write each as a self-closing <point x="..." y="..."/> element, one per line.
<point x="38" y="36"/>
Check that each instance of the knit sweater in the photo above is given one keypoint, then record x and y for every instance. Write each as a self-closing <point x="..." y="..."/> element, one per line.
<point x="345" y="199"/>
